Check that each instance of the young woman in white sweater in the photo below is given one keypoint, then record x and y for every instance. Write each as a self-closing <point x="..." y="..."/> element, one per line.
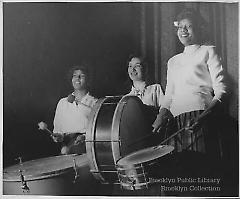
<point x="195" y="86"/>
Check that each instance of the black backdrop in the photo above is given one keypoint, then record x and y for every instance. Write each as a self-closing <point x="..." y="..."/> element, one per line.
<point x="41" y="41"/>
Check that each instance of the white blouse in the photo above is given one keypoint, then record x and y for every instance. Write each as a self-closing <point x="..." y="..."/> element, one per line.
<point x="73" y="117"/>
<point x="151" y="95"/>
<point x="194" y="78"/>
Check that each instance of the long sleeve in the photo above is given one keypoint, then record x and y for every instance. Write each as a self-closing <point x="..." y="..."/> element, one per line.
<point x="216" y="72"/>
<point x="73" y="117"/>
<point x="167" y="100"/>
<point x="158" y="95"/>
<point x="57" y="122"/>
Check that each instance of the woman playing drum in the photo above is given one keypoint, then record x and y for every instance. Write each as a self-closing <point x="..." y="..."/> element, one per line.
<point x="150" y="93"/>
<point x="72" y="113"/>
<point x="195" y="88"/>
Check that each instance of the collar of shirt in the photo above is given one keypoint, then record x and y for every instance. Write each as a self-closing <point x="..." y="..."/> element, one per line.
<point x="85" y="97"/>
<point x="190" y="49"/>
<point x="140" y="91"/>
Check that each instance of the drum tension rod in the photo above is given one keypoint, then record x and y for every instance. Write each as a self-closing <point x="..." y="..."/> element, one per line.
<point x="24" y="186"/>
<point x="103" y="140"/>
<point x="132" y="182"/>
<point x="98" y="171"/>
<point x="75" y="169"/>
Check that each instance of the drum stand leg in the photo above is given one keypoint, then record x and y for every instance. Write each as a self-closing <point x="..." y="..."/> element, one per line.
<point x="25" y="188"/>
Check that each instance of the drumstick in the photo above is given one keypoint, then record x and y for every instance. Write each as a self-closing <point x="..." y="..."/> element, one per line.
<point x="179" y="131"/>
<point x="43" y="126"/>
<point x="147" y="136"/>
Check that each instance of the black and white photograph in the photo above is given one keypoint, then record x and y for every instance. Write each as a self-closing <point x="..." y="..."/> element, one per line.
<point x="120" y="98"/>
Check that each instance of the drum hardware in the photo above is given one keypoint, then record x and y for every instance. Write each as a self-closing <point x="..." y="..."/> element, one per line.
<point x="24" y="186"/>
<point x="132" y="182"/>
<point x="94" y="171"/>
<point x="75" y="169"/>
<point x="20" y="159"/>
<point x="114" y="124"/>
<point x="103" y="171"/>
<point x="104" y="141"/>
<point x="48" y="176"/>
<point x="134" y="170"/>
<point x="109" y="103"/>
<point x="113" y="96"/>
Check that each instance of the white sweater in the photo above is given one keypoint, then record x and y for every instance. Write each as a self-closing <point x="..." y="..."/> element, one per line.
<point x="194" y="78"/>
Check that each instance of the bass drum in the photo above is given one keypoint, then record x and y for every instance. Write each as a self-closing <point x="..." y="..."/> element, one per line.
<point x="118" y="126"/>
<point x="57" y="175"/>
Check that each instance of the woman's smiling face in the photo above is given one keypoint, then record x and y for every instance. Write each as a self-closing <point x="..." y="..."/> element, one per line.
<point x="186" y="32"/>
<point x="78" y="80"/>
<point x="135" y="70"/>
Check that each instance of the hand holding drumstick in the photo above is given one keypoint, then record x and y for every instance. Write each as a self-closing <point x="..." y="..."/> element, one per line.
<point x="57" y="137"/>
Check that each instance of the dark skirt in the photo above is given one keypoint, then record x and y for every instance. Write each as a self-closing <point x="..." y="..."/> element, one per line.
<point x="205" y="140"/>
<point x="185" y="140"/>
<point x="195" y="153"/>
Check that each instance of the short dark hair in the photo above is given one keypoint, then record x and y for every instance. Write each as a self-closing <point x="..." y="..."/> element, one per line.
<point x="193" y="15"/>
<point x="143" y="62"/>
<point x="85" y="69"/>
<point x="199" y="23"/>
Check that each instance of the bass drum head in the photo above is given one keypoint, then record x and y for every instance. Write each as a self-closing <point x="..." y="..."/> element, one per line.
<point x="134" y="125"/>
<point x="117" y="126"/>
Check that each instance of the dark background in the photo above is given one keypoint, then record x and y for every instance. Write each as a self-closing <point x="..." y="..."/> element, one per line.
<point x="41" y="42"/>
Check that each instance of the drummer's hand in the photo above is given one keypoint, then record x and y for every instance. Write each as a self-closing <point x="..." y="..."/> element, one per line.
<point x="64" y="150"/>
<point x="57" y="137"/>
<point x="162" y="119"/>
<point x="79" y="139"/>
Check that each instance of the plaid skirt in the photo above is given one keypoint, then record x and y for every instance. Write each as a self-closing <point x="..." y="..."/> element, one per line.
<point x="185" y="140"/>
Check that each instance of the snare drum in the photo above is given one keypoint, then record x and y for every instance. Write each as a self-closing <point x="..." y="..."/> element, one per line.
<point x="115" y="124"/>
<point x="46" y="176"/>
<point x="133" y="170"/>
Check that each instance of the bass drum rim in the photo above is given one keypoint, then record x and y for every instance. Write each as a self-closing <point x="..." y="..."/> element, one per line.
<point x="90" y="149"/>
<point x="115" y="125"/>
